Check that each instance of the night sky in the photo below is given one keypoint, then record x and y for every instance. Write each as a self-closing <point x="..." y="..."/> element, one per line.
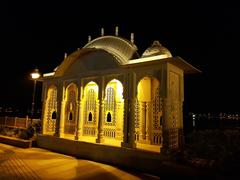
<point x="204" y="34"/>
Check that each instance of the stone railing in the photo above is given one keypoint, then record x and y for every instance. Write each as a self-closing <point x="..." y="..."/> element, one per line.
<point x="110" y="133"/>
<point x="137" y="134"/>
<point x="157" y="137"/>
<point x="16" y="122"/>
<point x="89" y="131"/>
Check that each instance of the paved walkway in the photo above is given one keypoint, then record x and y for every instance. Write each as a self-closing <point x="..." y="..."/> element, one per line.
<point x="36" y="163"/>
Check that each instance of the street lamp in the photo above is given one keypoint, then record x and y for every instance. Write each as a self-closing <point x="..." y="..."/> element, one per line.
<point x="34" y="75"/>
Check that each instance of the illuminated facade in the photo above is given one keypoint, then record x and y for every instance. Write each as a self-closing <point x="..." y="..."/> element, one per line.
<point x="106" y="93"/>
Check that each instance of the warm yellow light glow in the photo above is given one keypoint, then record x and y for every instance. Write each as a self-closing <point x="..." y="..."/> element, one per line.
<point x="117" y="86"/>
<point x="91" y="85"/>
<point x="35" y="74"/>
<point x="48" y="74"/>
<point x="113" y="115"/>
<point x="90" y="106"/>
<point x="144" y="90"/>
<point x="148" y="137"/>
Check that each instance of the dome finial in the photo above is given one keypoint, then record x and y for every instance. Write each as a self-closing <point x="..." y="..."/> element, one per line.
<point x="65" y="55"/>
<point x="89" y="38"/>
<point x="102" y="31"/>
<point x="156" y="43"/>
<point x="132" y="37"/>
<point x="157" y="49"/>
<point x="116" y="31"/>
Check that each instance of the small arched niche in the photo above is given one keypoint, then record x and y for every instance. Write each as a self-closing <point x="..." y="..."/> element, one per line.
<point x="90" y="117"/>
<point x="54" y="115"/>
<point x="109" y="117"/>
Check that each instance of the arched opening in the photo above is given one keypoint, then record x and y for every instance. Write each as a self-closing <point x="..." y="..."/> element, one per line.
<point x="149" y="113"/>
<point x="113" y="112"/>
<point x="161" y="121"/>
<point x="70" y="109"/>
<point x="54" y="115"/>
<point x="90" y="117"/>
<point x="50" y="114"/>
<point x="70" y="116"/>
<point x="109" y="117"/>
<point x="90" y="112"/>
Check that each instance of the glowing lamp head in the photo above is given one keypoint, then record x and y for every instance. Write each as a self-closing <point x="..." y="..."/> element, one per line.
<point x="35" y="74"/>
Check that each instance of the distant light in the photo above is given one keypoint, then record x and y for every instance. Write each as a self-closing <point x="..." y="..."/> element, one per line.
<point x="194" y="123"/>
<point x="193" y="118"/>
<point x="35" y="74"/>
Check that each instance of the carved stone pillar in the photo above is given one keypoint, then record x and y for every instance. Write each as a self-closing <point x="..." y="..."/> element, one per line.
<point x="101" y="117"/>
<point x="130" y="103"/>
<point x="181" y="132"/>
<point x="131" y="123"/>
<point x="44" y="118"/>
<point x="142" y="120"/>
<point x="148" y="122"/>
<point x="81" y="119"/>
<point x="125" y="123"/>
<point x="58" y="116"/>
<point x="62" y="119"/>
<point x="78" y="127"/>
<point x="119" y="119"/>
<point x="100" y="138"/>
<point x="165" y="126"/>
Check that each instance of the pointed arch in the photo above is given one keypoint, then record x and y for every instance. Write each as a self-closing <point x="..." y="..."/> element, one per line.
<point x="90" y="117"/>
<point x="71" y="95"/>
<point x="50" y="106"/>
<point x="113" y="112"/>
<point x="90" y="111"/>
<point x="109" y="117"/>
<point x="54" y="115"/>
<point x="148" y="126"/>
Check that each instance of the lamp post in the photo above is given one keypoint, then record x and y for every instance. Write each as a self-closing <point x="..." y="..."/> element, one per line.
<point x="34" y="75"/>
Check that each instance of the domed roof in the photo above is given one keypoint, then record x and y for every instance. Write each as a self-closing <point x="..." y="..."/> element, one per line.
<point x="157" y="49"/>
<point x="121" y="48"/>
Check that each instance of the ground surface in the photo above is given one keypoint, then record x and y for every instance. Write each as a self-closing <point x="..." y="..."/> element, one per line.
<point x="37" y="163"/>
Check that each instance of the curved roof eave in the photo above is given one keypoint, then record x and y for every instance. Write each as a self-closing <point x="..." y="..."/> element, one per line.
<point x="69" y="60"/>
<point x="75" y="55"/>
<point x="119" y="47"/>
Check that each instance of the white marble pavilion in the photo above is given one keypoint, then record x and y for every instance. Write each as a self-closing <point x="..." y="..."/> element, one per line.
<point x="107" y="93"/>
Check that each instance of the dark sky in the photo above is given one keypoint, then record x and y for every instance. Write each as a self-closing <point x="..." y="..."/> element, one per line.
<point x="204" y="34"/>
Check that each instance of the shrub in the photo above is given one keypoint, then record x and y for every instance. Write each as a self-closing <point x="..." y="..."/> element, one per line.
<point x="3" y="131"/>
<point x="23" y="135"/>
<point x="9" y="132"/>
<point x="37" y="127"/>
<point x="16" y="131"/>
<point x="28" y="133"/>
